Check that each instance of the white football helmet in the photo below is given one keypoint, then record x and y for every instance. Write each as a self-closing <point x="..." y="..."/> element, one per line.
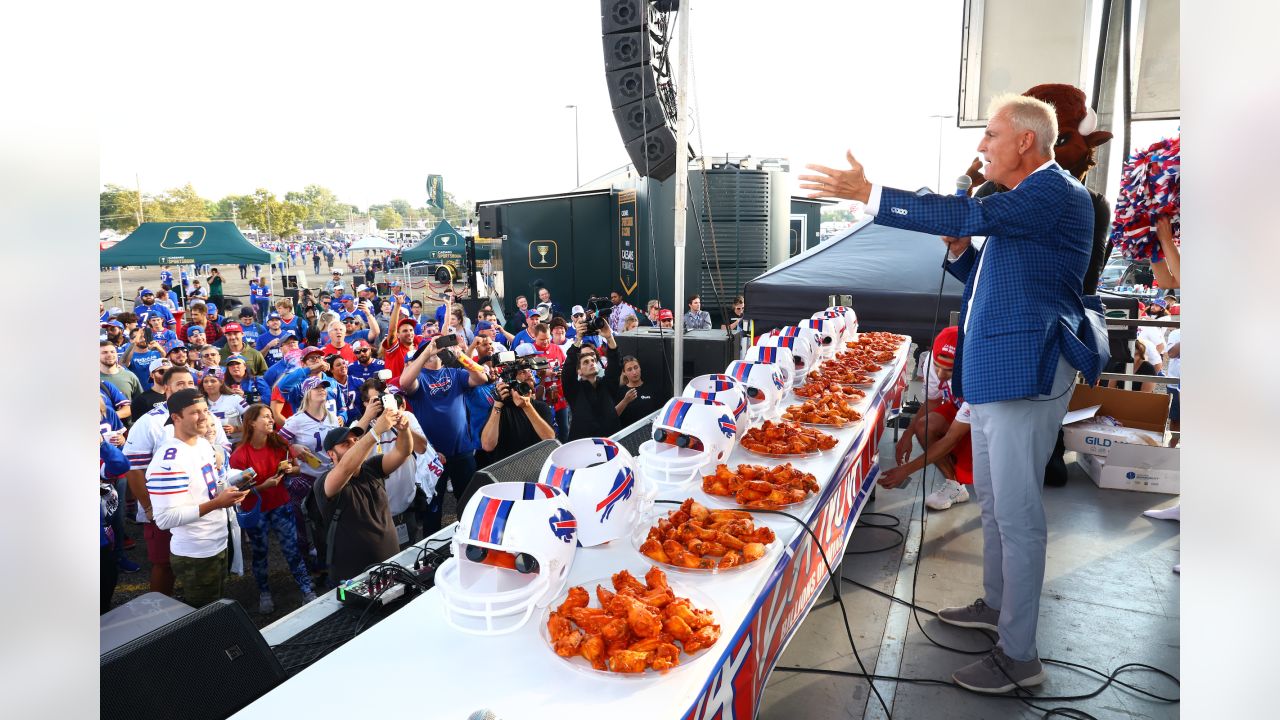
<point x="800" y="341"/>
<point x="779" y="356"/>
<point x="599" y="477"/>
<point x="689" y="433"/>
<point x="765" y="386"/>
<point x="724" y="390"/>
<point x="826" y="332"/>
<point x="850" y="322"/>
<point x="837" y="319"/>
<point x="512" y="553"/>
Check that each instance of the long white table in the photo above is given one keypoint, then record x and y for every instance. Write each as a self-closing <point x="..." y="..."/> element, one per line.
<point x="415" y="659"/>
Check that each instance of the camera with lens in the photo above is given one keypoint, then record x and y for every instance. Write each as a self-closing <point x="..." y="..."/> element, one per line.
<point x="509" y="366"/>
<point x="597" y="314"/>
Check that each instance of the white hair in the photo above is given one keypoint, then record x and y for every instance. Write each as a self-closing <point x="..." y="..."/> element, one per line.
<point x="1028" y="113"/>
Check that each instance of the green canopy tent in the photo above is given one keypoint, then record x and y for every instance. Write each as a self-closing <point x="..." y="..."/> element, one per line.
<point x="185" y="243"/>
<point x="445" y="246"/>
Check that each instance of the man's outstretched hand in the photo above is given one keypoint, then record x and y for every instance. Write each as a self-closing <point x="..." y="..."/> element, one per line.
<point x="851" y="184"/>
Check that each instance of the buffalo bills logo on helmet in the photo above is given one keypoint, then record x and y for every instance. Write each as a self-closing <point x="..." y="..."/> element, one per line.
<point x="728" y="426"/>
<point x="563" y="524"/>
<point x="623" y="483"/>
<point x="778" y="380"/>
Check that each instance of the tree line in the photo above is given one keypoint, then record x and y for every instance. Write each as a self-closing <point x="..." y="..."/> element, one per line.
<point x="313" y="207"/>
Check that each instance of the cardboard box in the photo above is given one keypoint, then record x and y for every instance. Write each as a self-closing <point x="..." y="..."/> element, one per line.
<point x="1134" y="410"/>
<point x="1134" y="467"/>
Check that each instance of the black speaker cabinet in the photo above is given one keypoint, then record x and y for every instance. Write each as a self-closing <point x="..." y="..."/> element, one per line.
<point x="622" y="15"/>
<point x="654" y="154"/>
<point x="289" y="282"/>
<point x="628" y="49"/>
<point x="490" y="221"/>
<point x="204" y="666"/>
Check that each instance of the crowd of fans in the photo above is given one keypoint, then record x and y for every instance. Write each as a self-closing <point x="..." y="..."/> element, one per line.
<point x="337" y="423"/>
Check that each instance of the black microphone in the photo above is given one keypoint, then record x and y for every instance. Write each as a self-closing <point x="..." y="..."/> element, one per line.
<point x="963" y="183"/>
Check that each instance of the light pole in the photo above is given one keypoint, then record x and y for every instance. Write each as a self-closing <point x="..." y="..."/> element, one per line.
<point x="940" y="119"/>
<point x="577" y="165"/>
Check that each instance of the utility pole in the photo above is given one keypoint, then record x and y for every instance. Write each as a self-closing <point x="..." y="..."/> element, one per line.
<point x="234" y="219"/>
<point x="682" y="191"/>
<point x="137" y="180"/>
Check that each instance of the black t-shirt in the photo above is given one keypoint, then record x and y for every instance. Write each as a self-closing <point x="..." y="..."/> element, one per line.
<point x="365" y="533"/>
<point x="515" y="432"/>
<point x="647" y="400"/>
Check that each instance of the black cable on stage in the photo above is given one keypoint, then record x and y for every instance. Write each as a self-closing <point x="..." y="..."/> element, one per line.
<point x="831" y="574"/>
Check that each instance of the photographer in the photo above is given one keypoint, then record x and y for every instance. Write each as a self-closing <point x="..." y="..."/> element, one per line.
<point x="352" y="496"/>
<point x="516" y="421"/>
<point x="589" y="394"/>
<point x="549" y="389"/>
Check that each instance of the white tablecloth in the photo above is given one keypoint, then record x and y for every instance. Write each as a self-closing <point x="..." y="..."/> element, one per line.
<point x="414" y="663"/>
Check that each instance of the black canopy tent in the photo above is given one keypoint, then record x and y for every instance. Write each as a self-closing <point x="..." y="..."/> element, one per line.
<point x="892" y="274"/>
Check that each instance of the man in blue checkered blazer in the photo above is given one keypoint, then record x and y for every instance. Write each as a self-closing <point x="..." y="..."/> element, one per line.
<point x="1020" y="317"/>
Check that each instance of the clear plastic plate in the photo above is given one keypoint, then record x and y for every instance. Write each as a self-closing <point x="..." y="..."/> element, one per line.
<point x="659" y="512"/>
<point x="698" y="599"/>
<point x="730" y="502"/>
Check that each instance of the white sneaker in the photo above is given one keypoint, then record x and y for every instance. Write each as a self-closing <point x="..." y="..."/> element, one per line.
<point x="265" y="604"/>
<point x="949" y="494"/>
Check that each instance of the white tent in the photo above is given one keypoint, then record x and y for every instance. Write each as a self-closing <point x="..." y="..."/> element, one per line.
<point x="369" y="242"/>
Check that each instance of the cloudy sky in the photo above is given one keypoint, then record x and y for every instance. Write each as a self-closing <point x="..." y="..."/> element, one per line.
<point x="368" y="99"/>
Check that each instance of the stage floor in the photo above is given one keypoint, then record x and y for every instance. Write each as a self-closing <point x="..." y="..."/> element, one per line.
<point x="1110" y="598"/>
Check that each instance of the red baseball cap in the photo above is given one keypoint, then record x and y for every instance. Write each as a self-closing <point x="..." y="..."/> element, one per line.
<point x="359" y="345"/>
<point x="232" y="327"/>
<point x="665" y="314"/>
<point x="407" y="321"/>
<point x="944" y="346"/>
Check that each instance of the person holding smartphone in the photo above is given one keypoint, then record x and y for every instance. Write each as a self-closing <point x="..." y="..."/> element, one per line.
<point x="268" y="455"/>
<point x="435" y="394"/>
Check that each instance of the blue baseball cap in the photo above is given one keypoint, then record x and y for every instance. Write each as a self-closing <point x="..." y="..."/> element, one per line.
<point x="235" y="357"/>
<point x="483" y="325"/>
<point x="113" y="323"/>
<point x="146" y="292"/>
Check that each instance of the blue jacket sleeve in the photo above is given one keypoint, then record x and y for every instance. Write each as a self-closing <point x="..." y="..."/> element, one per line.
<point x="114" y="463"/>
<point x="962" y="265"/>
<point x="1032" y="209"/>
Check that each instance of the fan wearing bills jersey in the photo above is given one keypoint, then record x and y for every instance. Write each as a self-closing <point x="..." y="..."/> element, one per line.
<point x="305" y="432"/>
<point x="151" y="431"/>
<point x="188" y="499"/>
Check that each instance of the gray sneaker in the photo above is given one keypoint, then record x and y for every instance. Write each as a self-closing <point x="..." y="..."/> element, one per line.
<point x="977" y="615"/>
<point x="997" y="673"/>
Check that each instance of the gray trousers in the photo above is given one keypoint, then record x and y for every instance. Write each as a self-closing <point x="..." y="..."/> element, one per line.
<point x="1012" y="441"/>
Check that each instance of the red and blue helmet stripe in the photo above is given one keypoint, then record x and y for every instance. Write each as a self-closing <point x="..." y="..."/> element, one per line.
<point x="768" y="354"/>
<point x="490" y="520"/>
<point x="610" y="447"/>
<point x="721" y="382"/>
<point x="559" y="477"/>
<point x="741" y="370"/>
<point x="532" y="491"/>
<point x="676" y="412"/>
